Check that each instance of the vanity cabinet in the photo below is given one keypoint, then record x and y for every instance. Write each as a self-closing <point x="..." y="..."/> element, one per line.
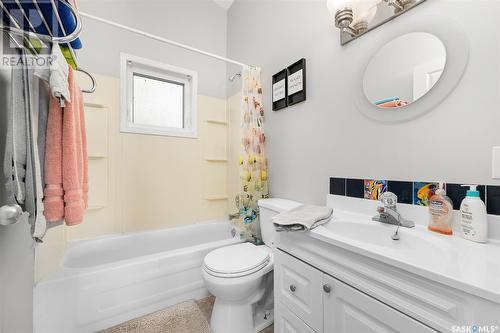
<point x="308" y="300"/>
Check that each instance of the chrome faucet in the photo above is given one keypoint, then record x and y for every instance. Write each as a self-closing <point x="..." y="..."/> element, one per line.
<point x="389" y="214"/>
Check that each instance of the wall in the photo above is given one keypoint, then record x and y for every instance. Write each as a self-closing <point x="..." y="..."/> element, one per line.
<point x="198" y="23"/>
<point x="327" y="136"/>
<point x="233" y="178"/>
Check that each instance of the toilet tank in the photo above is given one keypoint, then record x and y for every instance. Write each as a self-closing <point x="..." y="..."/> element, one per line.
<point x="269" y="208"/>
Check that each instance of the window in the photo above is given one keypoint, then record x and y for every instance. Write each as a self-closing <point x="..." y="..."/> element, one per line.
<point x="157" y="99"/>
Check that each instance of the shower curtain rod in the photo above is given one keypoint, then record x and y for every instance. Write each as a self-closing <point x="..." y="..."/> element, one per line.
<point x="161" y="39"/>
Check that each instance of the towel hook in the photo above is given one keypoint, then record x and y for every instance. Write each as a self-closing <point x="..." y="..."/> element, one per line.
<point x="92" y="78"/>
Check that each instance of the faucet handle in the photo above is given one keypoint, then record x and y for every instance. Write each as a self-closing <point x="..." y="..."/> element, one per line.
<point x="389" y="199"/>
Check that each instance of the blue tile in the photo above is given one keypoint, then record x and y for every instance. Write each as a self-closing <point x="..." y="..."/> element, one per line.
<point x="403" y="190"/>
<point x="337" y="186"/>
<point x="355" y="188"/>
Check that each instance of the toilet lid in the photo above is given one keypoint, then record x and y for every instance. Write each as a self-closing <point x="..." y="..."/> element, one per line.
<point x="236" y="259"/>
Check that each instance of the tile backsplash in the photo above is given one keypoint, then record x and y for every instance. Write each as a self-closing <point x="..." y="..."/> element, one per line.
<point x="413" y="193"/>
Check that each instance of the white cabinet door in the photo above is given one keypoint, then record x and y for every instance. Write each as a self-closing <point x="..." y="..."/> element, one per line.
<point x="348" y="310"/>
<point x="299" y="287"/>
<point x="286" y="322"/>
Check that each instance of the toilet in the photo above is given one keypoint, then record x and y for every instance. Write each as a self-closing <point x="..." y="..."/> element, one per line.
<point x="241" y="277"/>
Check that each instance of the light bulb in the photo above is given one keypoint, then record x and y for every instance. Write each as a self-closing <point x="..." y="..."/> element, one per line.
<point x="366" y="12"/>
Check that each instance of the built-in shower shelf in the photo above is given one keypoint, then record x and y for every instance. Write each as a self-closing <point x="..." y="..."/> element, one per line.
<point x="217" y="122"/>
<point x="216" y="197"/>
<point x="95" y="207"/>
<point x="216" y="160"/>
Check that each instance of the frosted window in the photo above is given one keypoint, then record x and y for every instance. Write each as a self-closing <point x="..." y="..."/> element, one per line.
<point x="158" y="102"/>
<point x="157" y="98"/>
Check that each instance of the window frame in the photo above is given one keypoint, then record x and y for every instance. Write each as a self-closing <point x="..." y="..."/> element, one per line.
<point x="151" y="69"/>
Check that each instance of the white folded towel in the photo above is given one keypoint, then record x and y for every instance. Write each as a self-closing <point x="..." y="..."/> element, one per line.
<point x="305" y="217"/>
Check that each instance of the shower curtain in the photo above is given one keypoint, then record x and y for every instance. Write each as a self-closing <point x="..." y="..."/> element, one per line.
<point x="253" y="161"/>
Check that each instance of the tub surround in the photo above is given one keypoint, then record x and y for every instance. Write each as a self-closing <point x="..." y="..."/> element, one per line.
<point x="440" y="281"/>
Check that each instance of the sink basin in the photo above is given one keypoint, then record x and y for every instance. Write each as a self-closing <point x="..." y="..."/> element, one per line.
<point x="417" y="243"/>
<point x="379" y="234"/>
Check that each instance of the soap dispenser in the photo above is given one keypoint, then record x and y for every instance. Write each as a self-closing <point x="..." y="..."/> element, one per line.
<point x="473" y="217"/>
<point x="441" y="212"/>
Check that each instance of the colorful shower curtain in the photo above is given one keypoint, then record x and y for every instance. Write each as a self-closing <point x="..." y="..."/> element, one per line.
<point x="253" y="161"/>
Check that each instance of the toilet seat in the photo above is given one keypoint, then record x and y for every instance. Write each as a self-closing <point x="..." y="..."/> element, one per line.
<point x="236" y="260"/>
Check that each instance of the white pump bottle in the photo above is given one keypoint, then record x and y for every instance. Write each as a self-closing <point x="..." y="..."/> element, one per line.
<point x="473" y="217"/>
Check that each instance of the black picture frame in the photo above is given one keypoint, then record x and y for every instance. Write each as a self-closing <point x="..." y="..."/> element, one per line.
<point x="281" y="103"/>
<point x="301" y="95"/>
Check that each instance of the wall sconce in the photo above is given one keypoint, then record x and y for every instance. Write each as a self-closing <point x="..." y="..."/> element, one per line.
<point x="354" y="18"/>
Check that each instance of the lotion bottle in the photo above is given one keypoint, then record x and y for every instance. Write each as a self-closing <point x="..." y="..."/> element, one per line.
<point x="441" y="212"/>
<point x="473" y="217"/>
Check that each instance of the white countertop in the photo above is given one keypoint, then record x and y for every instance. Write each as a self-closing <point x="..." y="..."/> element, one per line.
<point x="450" y="260"/>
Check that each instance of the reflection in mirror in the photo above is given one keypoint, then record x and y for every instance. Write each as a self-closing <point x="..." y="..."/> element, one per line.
<point x="404" y="70"/>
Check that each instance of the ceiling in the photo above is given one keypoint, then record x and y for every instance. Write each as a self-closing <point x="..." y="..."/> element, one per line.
<point x="226" y="4"/>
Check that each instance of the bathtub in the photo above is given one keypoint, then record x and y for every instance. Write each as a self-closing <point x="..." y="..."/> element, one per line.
<point x="106" y="281"/>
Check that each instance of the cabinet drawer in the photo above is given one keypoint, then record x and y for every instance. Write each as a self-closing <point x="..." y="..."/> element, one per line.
<point x="298" y="286"/>
<point x="286" y="322"/>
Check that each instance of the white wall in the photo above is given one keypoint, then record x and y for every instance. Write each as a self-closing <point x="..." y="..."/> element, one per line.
<point x="198" y="23"/>
<point x="326" y="136"/>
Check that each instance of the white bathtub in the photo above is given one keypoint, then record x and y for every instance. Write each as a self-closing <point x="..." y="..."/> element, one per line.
<point x="106" y="281"/>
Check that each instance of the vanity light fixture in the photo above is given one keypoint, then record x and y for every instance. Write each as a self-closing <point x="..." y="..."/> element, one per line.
<point x="352" y="16"/>
<point x="400" y="5"/>
<point x="356" y="17"/>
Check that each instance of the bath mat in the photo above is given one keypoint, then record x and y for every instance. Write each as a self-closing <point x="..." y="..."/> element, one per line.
<point x="181" y="318"/>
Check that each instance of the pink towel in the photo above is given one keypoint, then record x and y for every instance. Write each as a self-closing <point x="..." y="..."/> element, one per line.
<point x="393" y="104"/>
<point x="66" y="189"/>
<point x="53" y="193"/>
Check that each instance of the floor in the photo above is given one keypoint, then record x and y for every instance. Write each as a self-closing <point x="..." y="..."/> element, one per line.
<point x="186" y="317"/>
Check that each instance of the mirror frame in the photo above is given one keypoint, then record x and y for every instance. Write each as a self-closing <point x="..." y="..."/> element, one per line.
<point x="456" y="43"/>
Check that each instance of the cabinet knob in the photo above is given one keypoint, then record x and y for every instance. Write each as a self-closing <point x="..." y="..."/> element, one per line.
<point x="292" y="288"/>
<point x="327" y="288"/>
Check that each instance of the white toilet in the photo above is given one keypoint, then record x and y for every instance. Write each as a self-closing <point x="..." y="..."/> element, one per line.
<point x="241" y="277"/>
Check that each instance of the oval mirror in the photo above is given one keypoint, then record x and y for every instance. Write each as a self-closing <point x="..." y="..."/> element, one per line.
<point x="404" y="70"/>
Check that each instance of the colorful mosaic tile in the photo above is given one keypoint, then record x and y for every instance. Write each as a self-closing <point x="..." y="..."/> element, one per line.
<point x="416" y="193"/>
<point x="375" y="188"/>
<point x="423" y="191"/>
